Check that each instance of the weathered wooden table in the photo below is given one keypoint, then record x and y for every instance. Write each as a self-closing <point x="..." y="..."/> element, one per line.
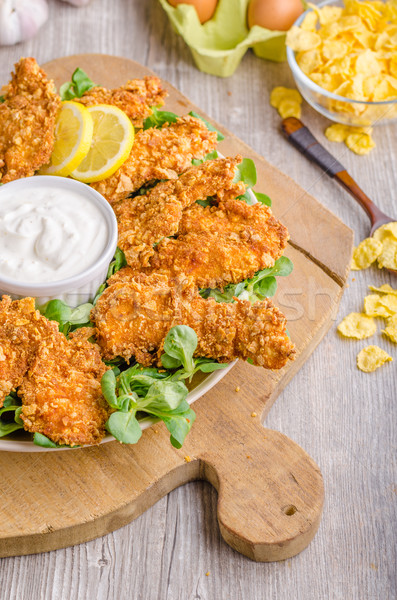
<point x="174" y="550"/>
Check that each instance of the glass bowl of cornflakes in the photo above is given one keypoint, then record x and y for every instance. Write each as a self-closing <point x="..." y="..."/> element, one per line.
<point x="343" y="56"/>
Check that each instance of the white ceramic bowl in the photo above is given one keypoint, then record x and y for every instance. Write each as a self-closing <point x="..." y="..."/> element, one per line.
<point x="82" y="287"/>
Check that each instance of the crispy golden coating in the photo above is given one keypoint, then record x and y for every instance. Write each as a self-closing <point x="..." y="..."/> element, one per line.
<point x="61" y="393"/>
<point x="21" y="330"/>
<point x="159" y="154"/>
<point x="221" y="244"/>
<point x="27" y="121"/>
<point x="135" y="313"/>
<point x="145" y="220"/>
<point x="136" y="98"/>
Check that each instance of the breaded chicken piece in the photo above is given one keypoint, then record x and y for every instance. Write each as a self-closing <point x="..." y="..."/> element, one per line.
<point x="27" y="121"/>
<point x="61" y="393"/>
<point x="159" y="154"/>
<point x="136" y="98"/>
<point x="221" y="244"/>
<point x="134" y="315"/>
<point x="22" y="329"/>
<point x="145" y="220"/>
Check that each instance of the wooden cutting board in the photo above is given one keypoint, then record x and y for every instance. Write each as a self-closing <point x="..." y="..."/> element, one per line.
<point x="270" y="491"/>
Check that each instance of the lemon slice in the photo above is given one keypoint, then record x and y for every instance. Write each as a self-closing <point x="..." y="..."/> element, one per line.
<point x="73" y="136"/>
<point x="111" y="144"/>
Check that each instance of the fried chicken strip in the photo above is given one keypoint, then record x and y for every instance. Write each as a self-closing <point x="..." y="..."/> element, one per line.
<point x="61" y="393"/>
<point x="22" y="329"/>
<point x="159" y="154"/>
<point x="134" y="315"/>
<point x="145" y="220"/>
<point x="27" y="121"/>
<point x="221" y="244"/>
<point x="136" y="98"/>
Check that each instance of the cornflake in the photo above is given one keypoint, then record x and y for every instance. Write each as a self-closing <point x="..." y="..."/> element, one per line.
<point x="357" y="325"/>
<point x="387" y="235"/>
<point x="391" y="329"/>
<point x="383" y="289"/>
<point x="360" y="143"/>
<point x="371" y="358"/>
<point x="366" y="253"/>
<point x="375" y="307"/>
<point x="287" y="101"/>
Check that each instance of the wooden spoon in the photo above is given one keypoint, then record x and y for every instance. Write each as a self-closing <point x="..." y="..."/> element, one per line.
<point x="300" y="137"/>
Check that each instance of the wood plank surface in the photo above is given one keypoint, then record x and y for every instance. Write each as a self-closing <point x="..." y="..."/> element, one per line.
<point x="343" y="418"/>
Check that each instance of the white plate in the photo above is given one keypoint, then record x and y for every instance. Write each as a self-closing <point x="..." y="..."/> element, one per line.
<point x="9" y="445"/>
<point x="201" y="389"/>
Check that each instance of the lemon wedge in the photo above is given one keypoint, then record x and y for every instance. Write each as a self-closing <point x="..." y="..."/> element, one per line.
<point x="73" y="136"/>
<point x="111" y="144"/>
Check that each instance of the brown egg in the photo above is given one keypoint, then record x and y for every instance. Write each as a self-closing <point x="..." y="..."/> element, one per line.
<point x="274" y="14"/>
<point x="205" y="8"/>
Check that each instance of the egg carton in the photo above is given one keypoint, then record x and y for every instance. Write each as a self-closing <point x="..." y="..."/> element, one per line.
<point x="219" y="44"/>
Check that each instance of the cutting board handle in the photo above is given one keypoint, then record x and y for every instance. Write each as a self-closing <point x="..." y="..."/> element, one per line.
<point x="270" y="495"/>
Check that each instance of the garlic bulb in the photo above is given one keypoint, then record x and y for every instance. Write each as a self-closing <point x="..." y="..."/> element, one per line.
<point x="77" y="2"/>
<point x="21" y="19"/>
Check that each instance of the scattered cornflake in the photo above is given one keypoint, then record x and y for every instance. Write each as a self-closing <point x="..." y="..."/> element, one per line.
<point x="248" y="456"/>
<point x="360" y="143"/>
<point x="387" y="235"/>
<point x="366" y="253"/>
<point x="375" y="307"/>
<point x="371" y="358"/>
<point x="289" y="108"/>
<point x="391" y="329"/>
<point x="287" y="101"/>
<point x="338" y="132"/>
<point x="187" y="459"/>
<point x="207" y="574"/>
<point x="253" y="414"/>
<point x="280" y="93"/>
<point x="358" y="326"/>
<point x="237" y="388"/>
<point x="383" y="289"/>
<point x="389" y="301"/>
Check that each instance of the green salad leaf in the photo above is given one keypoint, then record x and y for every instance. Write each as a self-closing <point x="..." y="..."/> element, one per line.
<point x="119" y="261"/>
<point x="262" y="285"/>
<point x="158" y="393"/>
<point x="219" y="135"/>
<point x="210" y="156"/>
<point x="263" y="198"/>
<point x="41" y="440"/>
<point x="80" y="84"/>
<point x="158" y="118"/>
<point x="10" y="422"/>
<point x="147" y="391"/>
<point x="179" y="347"/>
<point x="246" y="172"/>
<point x="68" y="318"/>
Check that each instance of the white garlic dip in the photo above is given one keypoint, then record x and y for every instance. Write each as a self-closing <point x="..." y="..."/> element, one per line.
<point x="49" y="233"/>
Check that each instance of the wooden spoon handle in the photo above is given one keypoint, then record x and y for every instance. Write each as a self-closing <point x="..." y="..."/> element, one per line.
<point x="300" y="137"/>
